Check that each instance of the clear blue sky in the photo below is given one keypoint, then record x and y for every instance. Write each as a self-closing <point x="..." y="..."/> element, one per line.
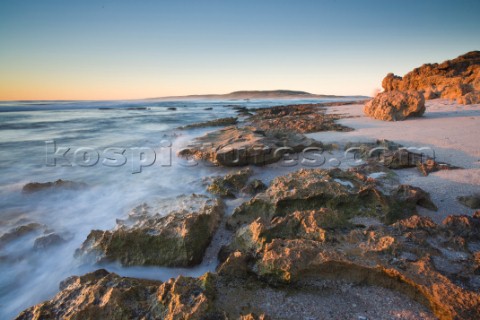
<point x="94" y="49"/>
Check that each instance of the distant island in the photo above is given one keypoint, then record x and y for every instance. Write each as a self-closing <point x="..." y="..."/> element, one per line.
<point x="257" y="94"/>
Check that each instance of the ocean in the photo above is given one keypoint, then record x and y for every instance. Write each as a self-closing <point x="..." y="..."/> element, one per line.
<point x="123" y="150"/>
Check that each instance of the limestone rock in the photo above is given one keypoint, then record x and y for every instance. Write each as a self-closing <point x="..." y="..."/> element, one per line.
<point x="458" y="78"/>
<point x="414" y="256"/>
<point x="230" y="184"/>
<point x="253" y="187"/>
<point x="49" y="240"/>
<point x="212" y="123"/>
<point x="240" y="146"/>
<point x="303" y="118"/>
<point x="348" y="192"/>
<point x="59" y="184"/>
<point x="470" y="98"/>
<point x="104" y="295"/>
<point x="471" y="201"/>
<point x="395" y="105"/>
<point x="20" y="231"/>
<point x="165" y="238"/>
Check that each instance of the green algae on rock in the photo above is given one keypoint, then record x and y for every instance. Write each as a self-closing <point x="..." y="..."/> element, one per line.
<point x="349" y="193"/>
<point x="173" y="238"/>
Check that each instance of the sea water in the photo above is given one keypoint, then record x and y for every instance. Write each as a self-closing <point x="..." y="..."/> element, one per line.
<point x="30" y="133"/>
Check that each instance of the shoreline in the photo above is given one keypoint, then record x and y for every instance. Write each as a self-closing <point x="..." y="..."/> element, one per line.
<point x="448" y="128"/>
<point x="227" y="254"/>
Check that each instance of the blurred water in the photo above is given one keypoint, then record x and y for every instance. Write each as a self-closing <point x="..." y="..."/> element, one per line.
<point x="27" y="276"/>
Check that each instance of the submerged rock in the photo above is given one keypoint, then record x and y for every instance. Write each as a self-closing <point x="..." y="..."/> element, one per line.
<point x="164" y="238"/>
<point x="212" y="123"/>
<point x="395" y="105"/>
<point x="60" y="184"/>
<point x="49" y="240"/>
<point x="240" y="146"/>
<point x="20" y="231"/>
<point x="471" y="201"/>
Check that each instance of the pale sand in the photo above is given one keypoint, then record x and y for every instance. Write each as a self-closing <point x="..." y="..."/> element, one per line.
<point x="451" y="130"/>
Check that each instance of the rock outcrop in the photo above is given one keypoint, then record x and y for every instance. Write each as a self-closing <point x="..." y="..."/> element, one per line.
<point x="212" y="123"/>
<point x="471" y="201"/>
<point x="59" y="184"/>
<point x="240" y="146"/>
<point x="265" y="136"/>
<point x="303" y="118"/>
<point x="436" y="265"/>
<point x="311" y="230"/>
<point x="395" y="105"/>
<point x="18" y="232"/>
<point x="235" y="184"/>
<point x="162" y="237"/>
<point x="433" y="263"/>
<point x="347" y="193"/>
<point x="453" y="79"/>
<point x="308" y="251"/>
<point x="395" y="156"/>
<point x="104" y="295"/>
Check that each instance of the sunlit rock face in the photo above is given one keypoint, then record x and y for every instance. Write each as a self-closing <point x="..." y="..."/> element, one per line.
<point x="452" y="79"/>
<point x="396" y="105"/>
<point x="157" y="236"/>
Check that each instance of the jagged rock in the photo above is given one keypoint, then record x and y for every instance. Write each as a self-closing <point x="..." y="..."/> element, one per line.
<point x="188" y="298"/>
<point x="414" y="256"/>
<point x="100" y="295"/>
<point x="430" y="165"/>
<point x="415" y="223"/>
<point x="234" y="265"/>
<point x="414" y="196"/>
<point x="476" y="214"/>
<point x="230" y="184"/>
<point x="297" y="118"/>
<point x="348" y="192"/>
<point x="394" y="156"/>
<point x="471" y="201"/>
<point x="470" y="98"/>
<point x="21" y="231"/>
<point x="235" y="146"/>
<point x="104" y="295"/>
<point x="60" y="184"/>
<point x="463" y="226"/>
<point x="395" y="105"/>
<point x="212" y="123"/>
<point x="253" y="316"/>
<point x="453" y="79"/>
<point x="253" y="187"/>
<point x="165" y="238"/>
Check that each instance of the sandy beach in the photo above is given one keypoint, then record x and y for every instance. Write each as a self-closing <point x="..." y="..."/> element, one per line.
<point x="450" y="129"/>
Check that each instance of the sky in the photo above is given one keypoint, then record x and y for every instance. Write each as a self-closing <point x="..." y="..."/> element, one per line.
<point x="125" y="49"/>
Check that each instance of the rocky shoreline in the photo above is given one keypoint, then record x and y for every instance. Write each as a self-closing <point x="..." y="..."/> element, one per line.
<point x="292" y="246"/>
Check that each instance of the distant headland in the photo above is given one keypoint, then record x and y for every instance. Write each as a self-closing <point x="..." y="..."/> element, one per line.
<point x="257" y="94"/>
